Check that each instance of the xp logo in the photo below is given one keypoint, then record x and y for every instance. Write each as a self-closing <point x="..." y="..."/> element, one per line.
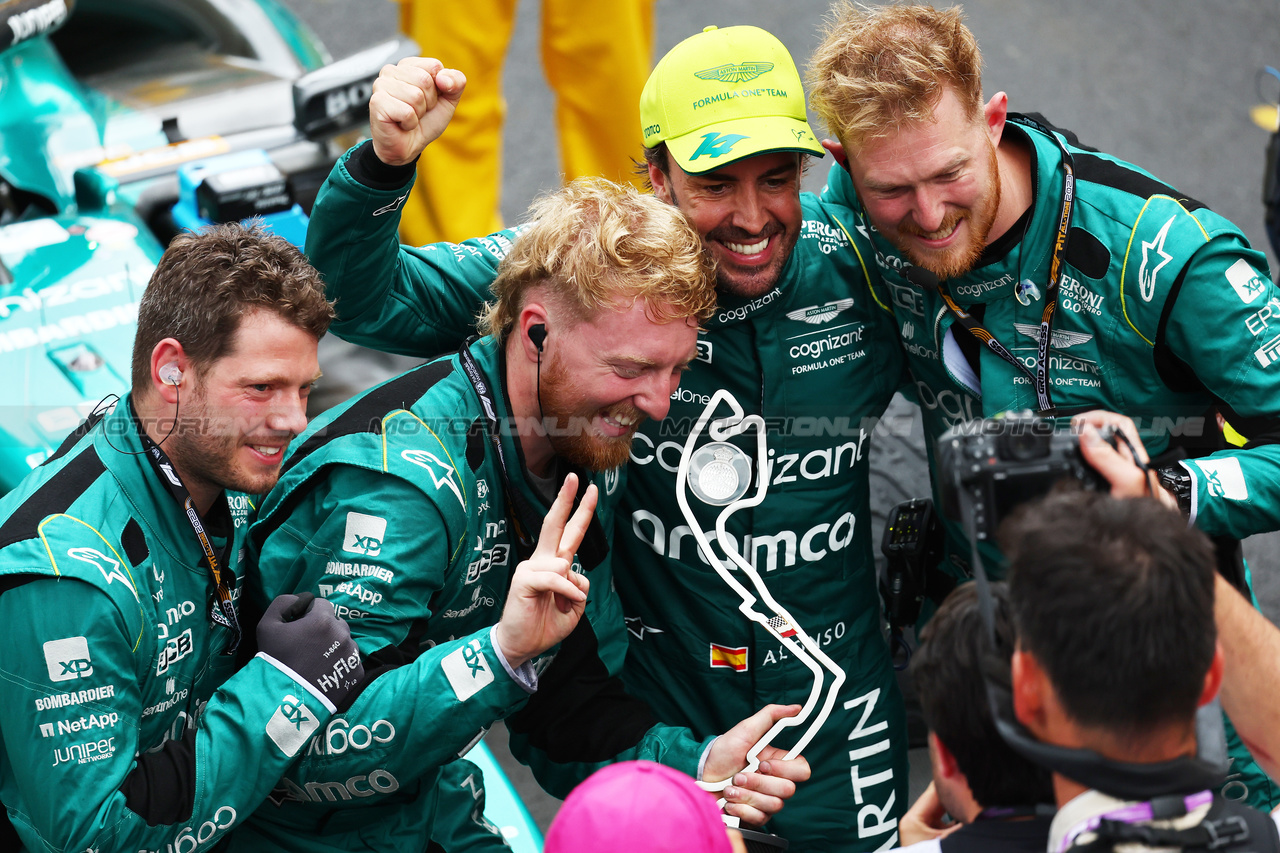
<point x="109" y="568"/>
<point x="739" y="72"/>
<point x="716" y="144"/>
<point x="364" y="534"/>
<point x="1245" y="281"/>
<point x="704" y="351"/>
<point x="68" y="659"/>
<point x="467" y="670"/>
<point x="1224" y="478"/>
<point x="291" y="725"/>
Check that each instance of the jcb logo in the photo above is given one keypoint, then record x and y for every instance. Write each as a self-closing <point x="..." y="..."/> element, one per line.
<point x="495" y="556"/>
<point x="174" y="650"/>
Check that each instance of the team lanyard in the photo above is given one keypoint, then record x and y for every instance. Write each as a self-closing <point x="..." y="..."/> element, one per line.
<point x="522" y="517"/>
<point x="1040" y="379"/>
<point x="223" y="609"/>
<point x="524" y="520"/>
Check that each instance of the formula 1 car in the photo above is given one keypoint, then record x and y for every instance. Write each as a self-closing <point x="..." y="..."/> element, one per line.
<point x="102" y="102"/>
<point x="122" y="121"/>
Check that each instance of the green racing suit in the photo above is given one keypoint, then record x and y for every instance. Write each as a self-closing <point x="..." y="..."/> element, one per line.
<point x="1164" y="314"/>
<point x="395" y="507"/>
<point x="819" y="361"/>
<point x="125" y="724"/>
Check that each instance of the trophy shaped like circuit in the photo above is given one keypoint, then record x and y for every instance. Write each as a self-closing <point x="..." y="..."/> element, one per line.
<point x="718" y="473"/>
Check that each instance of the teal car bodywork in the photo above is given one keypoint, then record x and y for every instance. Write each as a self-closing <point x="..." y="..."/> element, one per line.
<point x="102" y="102"/>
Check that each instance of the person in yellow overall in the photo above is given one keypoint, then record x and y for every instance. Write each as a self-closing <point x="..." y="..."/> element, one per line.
<point x="596" y="57"/>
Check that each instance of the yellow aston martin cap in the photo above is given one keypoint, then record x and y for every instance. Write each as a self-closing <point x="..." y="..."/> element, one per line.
<point x="723" y="95"/>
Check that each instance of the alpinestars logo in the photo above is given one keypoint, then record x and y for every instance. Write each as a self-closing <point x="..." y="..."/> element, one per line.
<point x="1061" y="339"/>
<point x="109" y="567"/>
<point x="735" y="72"/>
<point x="392" y="206"/>
<point x="825" y="313"/>
<point x="441" y="474"/>
<point x="637" y="628"/>
<point x="1147" y="280"/>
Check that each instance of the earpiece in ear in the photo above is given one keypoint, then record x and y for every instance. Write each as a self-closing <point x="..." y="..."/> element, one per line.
<point x="538" y="334"/>
<point x="170" y="373"/>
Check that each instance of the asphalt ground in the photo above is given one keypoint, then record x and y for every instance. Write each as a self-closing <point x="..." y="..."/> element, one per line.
<point x="1166" y="84"/>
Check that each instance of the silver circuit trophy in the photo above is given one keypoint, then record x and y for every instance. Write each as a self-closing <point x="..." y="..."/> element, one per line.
<point x="718" y="473"/>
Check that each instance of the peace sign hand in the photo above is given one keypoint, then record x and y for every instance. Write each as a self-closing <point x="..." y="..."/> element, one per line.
<point x="547" y="597"/>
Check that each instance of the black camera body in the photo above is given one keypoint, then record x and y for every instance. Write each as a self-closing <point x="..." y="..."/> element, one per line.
<point x="987" y="467"/>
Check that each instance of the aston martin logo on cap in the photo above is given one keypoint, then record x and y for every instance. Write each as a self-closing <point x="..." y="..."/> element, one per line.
<point x="739" y="72"/>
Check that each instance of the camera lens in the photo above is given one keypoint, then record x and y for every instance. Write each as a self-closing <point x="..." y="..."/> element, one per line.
<point x="1022" y="445"/>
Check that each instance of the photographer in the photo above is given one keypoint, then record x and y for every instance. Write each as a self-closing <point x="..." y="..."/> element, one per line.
<point x="1027" y="270"/>
<point x="1113" y="604"/>
<point x="999" y="799"/>
<point x="1250" y="642"/>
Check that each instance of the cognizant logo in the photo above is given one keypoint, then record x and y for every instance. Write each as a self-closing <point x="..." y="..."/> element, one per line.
<point x="815" y="348"/>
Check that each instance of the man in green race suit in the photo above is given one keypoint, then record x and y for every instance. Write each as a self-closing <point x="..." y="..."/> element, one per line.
<point x="1027" y="271"/>
<point x="796" y="340"/>
<point x="409" y="507"/>
<point x="121" y="571"/>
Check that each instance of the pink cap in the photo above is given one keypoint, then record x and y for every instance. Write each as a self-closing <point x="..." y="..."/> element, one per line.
<point x="638" y="807"/>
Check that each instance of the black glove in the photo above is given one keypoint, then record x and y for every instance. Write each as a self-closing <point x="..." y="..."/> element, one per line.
<point x="303" y="633"/>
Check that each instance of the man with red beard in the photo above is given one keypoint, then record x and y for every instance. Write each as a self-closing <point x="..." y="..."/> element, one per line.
<point x="1027" y="271"/>
<point x="797" y="340"/>
<point x="409" y="506"/>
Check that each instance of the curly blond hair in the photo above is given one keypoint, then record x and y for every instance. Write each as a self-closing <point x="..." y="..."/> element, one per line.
<point x="878" y="69"/>
<point x="597" y="245"/>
